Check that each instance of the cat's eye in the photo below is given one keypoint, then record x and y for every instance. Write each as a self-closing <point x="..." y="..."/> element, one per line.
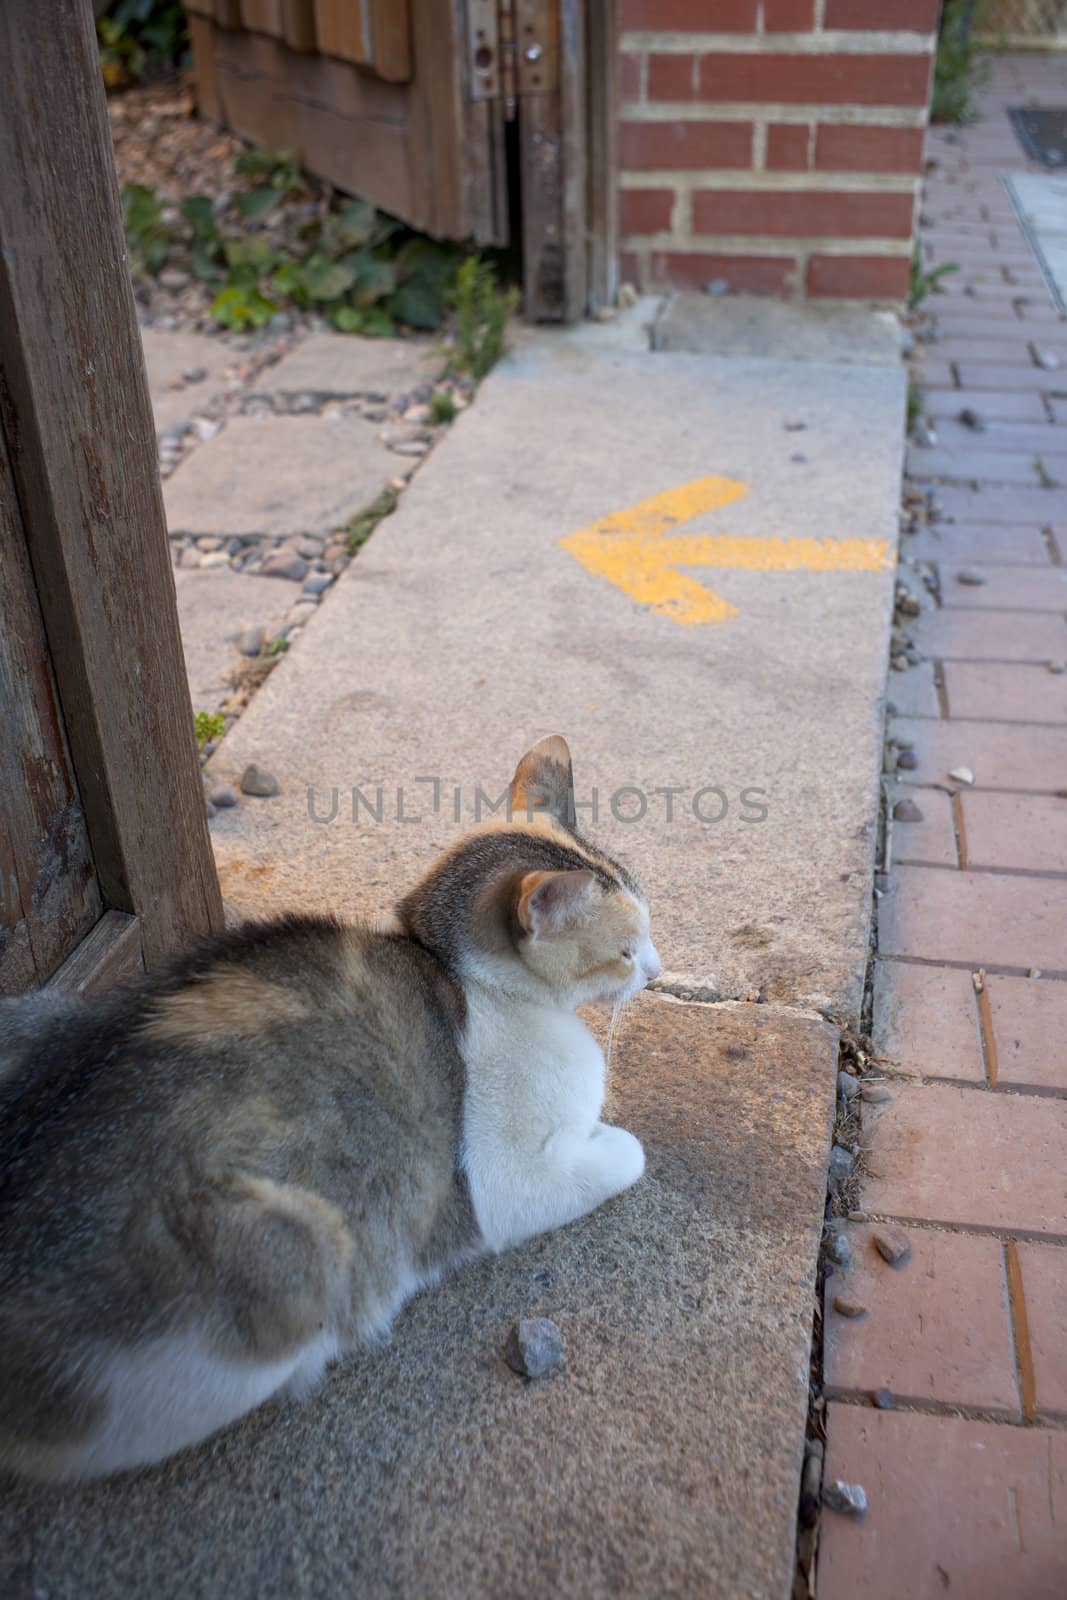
<point x="627" y="953"/>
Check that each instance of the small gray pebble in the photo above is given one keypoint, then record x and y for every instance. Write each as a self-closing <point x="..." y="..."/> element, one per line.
<point x="849" y="1308"/>
<point x="318" y="582"/>
<point x="284" y="564"/>
<point x="907" y="760"/>
<point x="223" y="795"/>
<point x="534" y="1347"/>
<point x="850" y="1498"/>
<point x="1046" y="359"/>
<point x="971" y="419"/>
<point x="251" y="641"/>
<point x="875" y="1094"/>
<point x="838" y="1247"/>
<point x="907" y="811"/>
<point x="1057" y="666"/>
<point x="883" y="1399"/>
<point x="195" y="375"/>
<point x="892" y="1244"/>
<point x="972" y="577"/>
<point x="847" y="1087"/>
<point x="211" y="812"/>
<point x="258" y="781"/>
<point x="841" y="1163"/>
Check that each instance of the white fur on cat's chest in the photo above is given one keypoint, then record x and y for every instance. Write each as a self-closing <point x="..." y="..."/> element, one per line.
<point x="535" y="1153"/>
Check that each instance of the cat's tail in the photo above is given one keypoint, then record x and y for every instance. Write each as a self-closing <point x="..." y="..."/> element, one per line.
<point x="24" y="1022"/>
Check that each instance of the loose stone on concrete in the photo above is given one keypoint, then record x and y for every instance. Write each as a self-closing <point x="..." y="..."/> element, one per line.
<point x="278" y="475"/>
<point x="667" y="1463"/>
<point x="331" y="364"/>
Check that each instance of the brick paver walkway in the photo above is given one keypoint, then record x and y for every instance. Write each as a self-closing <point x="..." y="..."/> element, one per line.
<point x="965" y="1459"/>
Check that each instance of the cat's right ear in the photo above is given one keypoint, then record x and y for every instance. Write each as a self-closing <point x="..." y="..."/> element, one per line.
<point x="544" y="781"/>
<point x="550" y="902"/>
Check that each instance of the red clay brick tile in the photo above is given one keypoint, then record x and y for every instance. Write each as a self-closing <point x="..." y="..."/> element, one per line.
<point x="745" y="274"/>
<point x="992" y="405"/>
<point x="991" y="635"/>
<point x="787" y="147"/>
<point x="931" y="841"/>
<point x="918" y="15"/>
<point x="967" y="1156"/>
<point x="937" y="1328"/>
<point x="1044" y="1273"/>
<point x="979" y="375"/>
<point x="975" y="465"/>
<point x="1029" y="1017"/>
<point x="914" y="693"/>
<point x="987" y="546"/>
<point x="823" y="79"/>
<point x="976" y="917"/>
<point x="1001" y="325"/>
<point x="689" y="16"/>
<point x="858" y="277"/>
<point x="1009" y="588"/>
<point x="1037" y="506"/>
<point x="672" y="77"/>
<point x="841" y="147"/>
<point x="644" y="146"/>
<point x="788" y="16"/>
<point x="1022" y="831"/>
<point x="926" y="1021"/>
<point x="802" y="213"/>
<point x="1010" y="693"/>
<point x="631" y="77"/>
<point x="971" y="1510"/>
<point x="645" y="210"/>
<point x="1001" y="755"/>
<point x="999" y="352"/>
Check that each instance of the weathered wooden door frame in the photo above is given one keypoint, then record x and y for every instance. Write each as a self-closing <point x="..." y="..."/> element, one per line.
<point x="78" y="461"/>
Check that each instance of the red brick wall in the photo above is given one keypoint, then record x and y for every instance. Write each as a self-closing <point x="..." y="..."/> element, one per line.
<point x="773" y="146"/>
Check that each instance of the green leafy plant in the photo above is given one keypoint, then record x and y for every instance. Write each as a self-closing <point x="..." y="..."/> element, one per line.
<point x="359" y="269"/>
<point x="442" y="407"/>
<point x="139" y="37"/>
<point x="275" y="647"/>
<point x="148" y="237"/>
<point x="959" y="68"/>
<point x="926" y="282"/>
<point x="208" y="726"/>
<point x="482" y="315"/>
<point x="358" y="529"/>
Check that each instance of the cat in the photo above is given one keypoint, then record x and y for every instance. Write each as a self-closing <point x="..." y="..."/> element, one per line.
<point x="218" y="1180"/>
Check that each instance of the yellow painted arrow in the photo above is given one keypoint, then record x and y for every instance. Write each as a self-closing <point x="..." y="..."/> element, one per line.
<point x="635" y="550"/>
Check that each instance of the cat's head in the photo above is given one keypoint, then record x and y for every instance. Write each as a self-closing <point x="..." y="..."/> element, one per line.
<point x="530" y="906"/>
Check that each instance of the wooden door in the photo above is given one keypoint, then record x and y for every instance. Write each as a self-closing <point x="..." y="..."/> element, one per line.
<point x="105" y="860"/>
<point x="467" y="119"/>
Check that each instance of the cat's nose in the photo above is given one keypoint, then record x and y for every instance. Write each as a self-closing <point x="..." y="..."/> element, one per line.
<point x="652" y="964"/>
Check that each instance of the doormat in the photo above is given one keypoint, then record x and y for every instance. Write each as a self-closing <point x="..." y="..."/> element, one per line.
<point x="1042" y="132"/>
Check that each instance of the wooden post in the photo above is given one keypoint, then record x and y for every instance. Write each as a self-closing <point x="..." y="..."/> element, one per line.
<point x="80" y="440"/>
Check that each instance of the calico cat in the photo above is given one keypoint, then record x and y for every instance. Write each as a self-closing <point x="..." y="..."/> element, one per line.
<point x="216" y="1181"/>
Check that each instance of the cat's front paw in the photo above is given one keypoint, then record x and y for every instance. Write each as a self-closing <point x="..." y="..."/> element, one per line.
<point x="622" y="1157"/>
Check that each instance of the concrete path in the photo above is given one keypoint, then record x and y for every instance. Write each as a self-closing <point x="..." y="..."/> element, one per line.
<point x="716" y="657"/>
<point x="966" y="1142"/>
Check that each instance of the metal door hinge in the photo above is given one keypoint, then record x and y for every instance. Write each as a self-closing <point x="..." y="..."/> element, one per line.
<point x="512" y="49"/>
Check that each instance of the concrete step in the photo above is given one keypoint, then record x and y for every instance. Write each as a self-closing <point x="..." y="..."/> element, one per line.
<point x="664" y="1460"/>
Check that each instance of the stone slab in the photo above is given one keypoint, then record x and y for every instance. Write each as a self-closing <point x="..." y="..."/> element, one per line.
<point x="213" y="607"/>
<point x="341" y="364"/>
<point x="743" y="325"/>
<point x="665" y="1460"/>
<point x="167" y="356"/>
<point x="279" y="475"/>
<point x="464" y="632"/>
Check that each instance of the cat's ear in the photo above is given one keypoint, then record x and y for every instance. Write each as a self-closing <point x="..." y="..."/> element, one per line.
<point x="549" y="902"/>
<point x="544" y="781"/>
